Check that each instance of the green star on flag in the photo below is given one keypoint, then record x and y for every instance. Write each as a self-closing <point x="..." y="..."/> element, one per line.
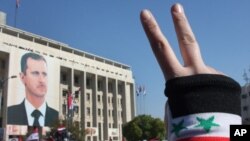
<point x="178" y="127"/>
<point x="206" y="124"/>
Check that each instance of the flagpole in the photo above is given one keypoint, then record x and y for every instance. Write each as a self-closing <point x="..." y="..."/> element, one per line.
<point x="15" y="20"/>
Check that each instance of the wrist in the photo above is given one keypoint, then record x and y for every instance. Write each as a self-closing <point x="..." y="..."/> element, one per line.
<point x="203" y="93"/>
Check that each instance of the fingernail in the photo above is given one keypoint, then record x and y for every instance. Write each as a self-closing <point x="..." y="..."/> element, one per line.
<point x="177" y="8"/>
<point x="146" y="14"/>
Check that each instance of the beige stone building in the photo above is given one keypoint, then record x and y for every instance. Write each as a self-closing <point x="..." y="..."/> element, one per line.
<point x="103" y="89"/>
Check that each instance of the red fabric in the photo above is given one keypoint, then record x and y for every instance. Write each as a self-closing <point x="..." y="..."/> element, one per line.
<point x="70" y="101"/>
<point x="205" y="139"/>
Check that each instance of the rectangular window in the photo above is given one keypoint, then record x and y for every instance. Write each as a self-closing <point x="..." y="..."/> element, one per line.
<point x="88" y="96"/>
<point x="76" y="109"/>
<point x="76" y="94"/>
<point x="99" y="98"/>
<point x="65" y="93"/>
<point x="120" y="89"/>
<point x="88" y="83"/>
<point x="110" y="87"/>
<point x="99" y="85"/>
<point x="88" y="124"/>
<point x="64" y="109"/>
<point x="3" y="64"/>
<point x="76" y="79"/>
<point x="88" y="111"/>
<point x="99" y="112"/>
<point x="100" y="131"/>
<point x="245" y="108"/>
<point x="64" y="77"/>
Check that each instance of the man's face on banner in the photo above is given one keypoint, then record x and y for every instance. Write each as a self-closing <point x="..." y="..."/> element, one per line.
<point x="35" y="78"/>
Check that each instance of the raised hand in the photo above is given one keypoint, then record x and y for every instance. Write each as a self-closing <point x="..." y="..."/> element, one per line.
<point x="190" y="51"/>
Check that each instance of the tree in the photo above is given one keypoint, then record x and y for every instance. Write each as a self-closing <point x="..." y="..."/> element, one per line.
<point x="76" y="132"/>
<point x="144" y="127"/>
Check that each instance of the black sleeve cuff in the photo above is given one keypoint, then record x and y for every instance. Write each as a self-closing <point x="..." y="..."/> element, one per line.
<point x="203" y="93"/>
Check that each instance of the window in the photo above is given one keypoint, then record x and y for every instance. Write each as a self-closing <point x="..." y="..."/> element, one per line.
<point x="76" y="109"/>
<point x="3" y="64"/>
<point x="76" y="79"/>
<point x="64" y="77"/>
<point x="245" y="108"/>
<point x="88" y="124"/>
<point x="88" y="96"/>
<point x="65" y="93"/>
<point x="64" y="109"/>
<point x="100" y="130"/>
<point x="120" y="88"/>
<point x="99" y="112"/>
<point x="88" y="82"/>
<point x="99" y="98"/>
<point x="88" y="111"/>
<point x="99" y="85"/>
<point x="76" y="94"/>
<point x="110" y="87"/>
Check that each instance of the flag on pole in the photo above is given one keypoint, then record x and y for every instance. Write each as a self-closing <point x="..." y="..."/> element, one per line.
<point x="61" y="128"/>
<point x="70" y="101"/>
<point x="17" y="3"/>
<point x="34" y="136"/>
<point x="143" y="90"/>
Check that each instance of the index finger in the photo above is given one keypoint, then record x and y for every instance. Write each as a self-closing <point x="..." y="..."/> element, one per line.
<point x="160" y="46"/>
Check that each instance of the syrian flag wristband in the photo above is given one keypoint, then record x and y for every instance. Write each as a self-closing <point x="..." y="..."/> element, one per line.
<point x="202" y="107"/>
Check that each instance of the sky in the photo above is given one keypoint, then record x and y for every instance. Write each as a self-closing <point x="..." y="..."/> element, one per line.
<point x="112" y="29"/>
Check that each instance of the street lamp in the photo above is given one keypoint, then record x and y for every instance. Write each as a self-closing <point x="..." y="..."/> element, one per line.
<point x="2" y="82"/>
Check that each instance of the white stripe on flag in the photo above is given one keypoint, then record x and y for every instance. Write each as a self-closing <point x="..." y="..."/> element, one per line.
<point x="191" y="125"/>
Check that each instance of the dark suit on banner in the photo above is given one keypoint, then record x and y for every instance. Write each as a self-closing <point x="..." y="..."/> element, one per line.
<point x="17" y="115"/>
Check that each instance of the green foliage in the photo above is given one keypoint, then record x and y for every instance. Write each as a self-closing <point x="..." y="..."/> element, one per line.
<point x="144" y="127"/>
<point x="77" y="133"/>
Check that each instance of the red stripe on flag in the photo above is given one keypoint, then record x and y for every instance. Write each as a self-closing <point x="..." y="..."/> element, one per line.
<point x="70" y="101"/>
<point x="205" y="139"/>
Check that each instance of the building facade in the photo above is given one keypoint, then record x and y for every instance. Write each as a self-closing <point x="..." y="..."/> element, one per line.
<point x="245" y="103"/>
<point x="103" y="89"/>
